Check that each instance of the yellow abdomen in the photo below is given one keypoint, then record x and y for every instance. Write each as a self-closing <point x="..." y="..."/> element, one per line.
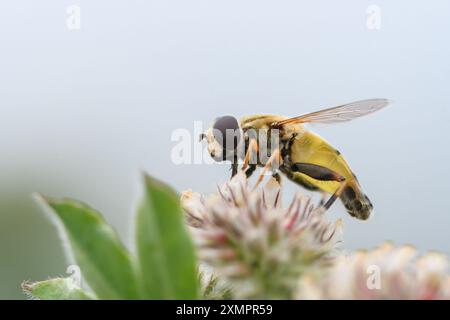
<point x="311" y="148"/>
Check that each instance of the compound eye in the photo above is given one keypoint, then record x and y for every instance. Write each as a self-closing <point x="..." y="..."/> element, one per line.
<point x="226" y="132"/>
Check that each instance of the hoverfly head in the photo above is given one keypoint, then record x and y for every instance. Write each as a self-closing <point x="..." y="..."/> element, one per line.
<point x="223" y="138"/>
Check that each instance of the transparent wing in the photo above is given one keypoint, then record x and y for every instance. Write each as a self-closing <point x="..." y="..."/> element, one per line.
<point x="342" y="113"/>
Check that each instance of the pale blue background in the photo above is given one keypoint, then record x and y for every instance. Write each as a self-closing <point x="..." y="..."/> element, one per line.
<point x="81" y="112"/>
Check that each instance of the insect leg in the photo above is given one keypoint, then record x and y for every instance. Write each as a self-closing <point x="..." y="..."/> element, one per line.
<point x="251" y="168"/>
<point x="276" y="156"/>
<point x="252" y="147"/>
<point x="324" y="174"/>
<point x="234" y="169"/>
<point x="287" y="147"/>
<point x="322" y="198"/>
<point x="277" y="177"/>
<point x="335" y="195"/>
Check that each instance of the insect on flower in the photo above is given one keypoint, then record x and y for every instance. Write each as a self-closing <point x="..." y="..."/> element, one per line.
<point x="281" y="144"/>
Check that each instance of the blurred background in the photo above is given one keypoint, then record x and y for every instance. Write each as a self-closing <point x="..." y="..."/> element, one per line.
<point x="91" y="92"/>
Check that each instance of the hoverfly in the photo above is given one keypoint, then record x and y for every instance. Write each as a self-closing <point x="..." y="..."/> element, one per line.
<point x="301" y="155"/>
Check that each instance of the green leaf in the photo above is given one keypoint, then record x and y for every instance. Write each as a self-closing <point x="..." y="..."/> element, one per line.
<point x="56" y="289"/>
<point x="104" y="262"/>
<point x="166" y="254"/>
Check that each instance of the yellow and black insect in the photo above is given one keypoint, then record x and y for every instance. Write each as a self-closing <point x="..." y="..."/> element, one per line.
<point x="301" y="155"/>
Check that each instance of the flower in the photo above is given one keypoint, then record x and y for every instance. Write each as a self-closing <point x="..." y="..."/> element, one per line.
<point x="387" y="272"/>
<point x="246" y="236"/>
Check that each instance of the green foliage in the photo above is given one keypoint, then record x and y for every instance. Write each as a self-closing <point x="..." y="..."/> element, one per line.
<point x="213" y="289"/>
<point x="164" y="269"/>
<point x="105" y="263"/>
<point x="165" y="253"/>
<point x="56" y="289"/>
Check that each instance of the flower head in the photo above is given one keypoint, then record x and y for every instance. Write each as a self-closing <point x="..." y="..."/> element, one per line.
<point x="247" y="237"/>
<point x="386" y="272"/>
